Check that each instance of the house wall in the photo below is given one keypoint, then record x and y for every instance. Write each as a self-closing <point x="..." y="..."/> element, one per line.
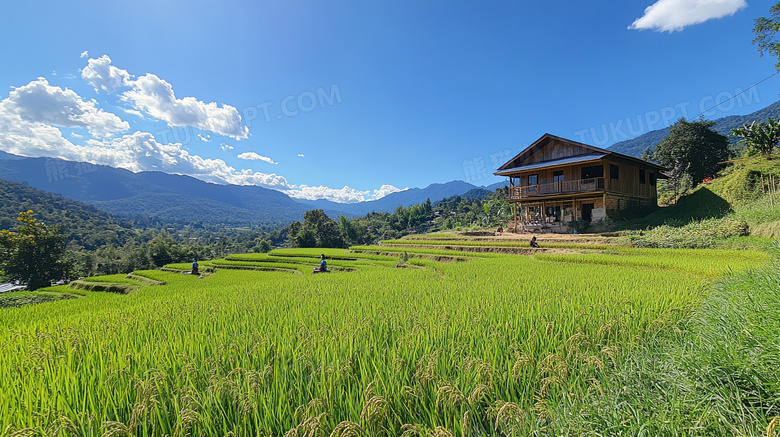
<point x="555" y="149"/>
<point x="627" y="182"/>
<point x="570" y="173"/>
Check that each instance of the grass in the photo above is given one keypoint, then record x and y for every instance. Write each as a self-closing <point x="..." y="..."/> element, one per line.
<point x="23" y="298"/>
<point x="497" y="345"/>
<point x="716" y="373"/>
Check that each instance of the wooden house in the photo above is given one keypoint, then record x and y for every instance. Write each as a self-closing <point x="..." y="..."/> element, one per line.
<point x="555" y="181"/>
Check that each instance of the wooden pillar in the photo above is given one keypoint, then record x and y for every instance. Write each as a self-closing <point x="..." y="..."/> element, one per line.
<point x="573" y="209"/>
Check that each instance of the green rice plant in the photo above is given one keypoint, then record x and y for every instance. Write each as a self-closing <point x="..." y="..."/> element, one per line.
<point x="701" y="262"/>
<point x="488" y="346"/>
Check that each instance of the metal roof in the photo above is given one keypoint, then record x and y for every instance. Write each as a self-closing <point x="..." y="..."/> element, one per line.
<point x="554" y="162"/>
<point x="11" y="287"/>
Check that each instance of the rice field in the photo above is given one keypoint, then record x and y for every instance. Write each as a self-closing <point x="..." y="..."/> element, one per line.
<point x="456" y="343"/>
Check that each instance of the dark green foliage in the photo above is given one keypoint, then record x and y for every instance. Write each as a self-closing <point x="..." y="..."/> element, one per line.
<point x="317" y="230"/>
<point x="580" y="225"/>
<point x="99" y="243"/>
<point x="84" y="225"/>
<point x="692" y="152"/>
<point x="765" y="29"/>
<point x="759" y="137"/>
<point x="34" y="254"/>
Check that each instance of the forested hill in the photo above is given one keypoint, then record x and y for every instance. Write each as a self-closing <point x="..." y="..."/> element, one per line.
<point x="82" y="223"/>
<point x="635" y="147"/>
<point x="150" y="193"/>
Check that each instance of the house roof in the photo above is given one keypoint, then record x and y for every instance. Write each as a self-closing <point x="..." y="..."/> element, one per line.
<point x="11" y="287"/>
<point x="554" y="162"/>
<point x="589" y="153"/>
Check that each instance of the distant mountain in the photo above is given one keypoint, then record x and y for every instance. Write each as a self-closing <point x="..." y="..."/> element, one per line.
<point x="82" y="223"/>
<point x="175" y="197"/>
<point x="635" y="147"/>
<point x="497" y="185"/>
<point x="187" y="199"/>
<point x="388" y="203"/>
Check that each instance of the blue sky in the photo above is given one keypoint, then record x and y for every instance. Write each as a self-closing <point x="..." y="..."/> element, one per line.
<point x="351" y="100"/>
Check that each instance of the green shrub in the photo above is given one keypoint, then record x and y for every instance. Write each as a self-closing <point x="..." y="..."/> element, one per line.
<point x="579" y="225"/>
<point x="705" y="233"/>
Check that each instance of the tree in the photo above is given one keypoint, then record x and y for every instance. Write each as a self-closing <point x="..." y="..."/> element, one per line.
<point x="34" y="254"/>
<point x="765" y="29"/>
<point x="692" y="151"/>
<point x="761" y="137"/>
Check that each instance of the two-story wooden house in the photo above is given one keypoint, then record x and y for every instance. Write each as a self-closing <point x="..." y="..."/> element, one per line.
<point x="555" y="180"/>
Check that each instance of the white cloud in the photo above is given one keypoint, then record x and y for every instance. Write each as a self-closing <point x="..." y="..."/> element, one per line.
<point x="31" y="115"/>
<point x="44" y="104"/>
<point x="300" y="155"/>
<point x="340" y="195"/>
<point x="134" y="112"/>
<point x="672" y="15"/>
<point x="155" y="97"/>
<point x="252" y="156"/>
<point x="84" y="54"/>
<point x="384" y="190"/>
<point x="226" y="147"/>
<point x="103" y="76"/>
<point x="205" y="139"/>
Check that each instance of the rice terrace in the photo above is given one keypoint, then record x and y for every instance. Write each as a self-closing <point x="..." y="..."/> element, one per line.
<point x="390" y="219"/>
<point x="453" y="342"/>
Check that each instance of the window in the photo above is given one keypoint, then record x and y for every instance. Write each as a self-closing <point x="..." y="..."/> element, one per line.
<point x="558" y="176"/>
<point x="652" y="178"/>
<point x="641" y="176"/>
<point x="614" y="171"/>
<point x="532" y="181"/>
<point x="595" y="171"/>
<point x="554" y="213"/>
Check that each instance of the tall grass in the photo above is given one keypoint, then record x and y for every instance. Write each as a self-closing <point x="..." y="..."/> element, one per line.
<point x="484" y="347"/>
<point x="715" y="374"/>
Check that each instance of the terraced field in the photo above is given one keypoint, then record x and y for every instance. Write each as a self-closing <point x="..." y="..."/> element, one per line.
<point x="433" y="335"/>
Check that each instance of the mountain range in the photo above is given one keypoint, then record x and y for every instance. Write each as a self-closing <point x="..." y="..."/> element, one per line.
<point x="184" y="198"/>
<point x="187" y="199"/>
<point x="635" y="146"/>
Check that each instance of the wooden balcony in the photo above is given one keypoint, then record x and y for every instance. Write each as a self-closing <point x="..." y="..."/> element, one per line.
<point x="557" y="188"/>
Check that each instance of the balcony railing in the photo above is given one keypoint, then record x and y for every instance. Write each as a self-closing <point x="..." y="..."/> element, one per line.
<point x="555" y="188"/>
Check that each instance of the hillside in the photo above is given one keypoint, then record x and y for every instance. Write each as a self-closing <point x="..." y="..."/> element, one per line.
<point x="412" y="196"/>
<point x="635" y="147"/>
<point x="84" y="224"/>
<point x="740" y="197"/>
<point x="173" y="197"/>
<point x="186" y="199"/>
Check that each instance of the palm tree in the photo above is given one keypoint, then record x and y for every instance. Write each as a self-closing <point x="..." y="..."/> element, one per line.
<point x="762" y="137"/>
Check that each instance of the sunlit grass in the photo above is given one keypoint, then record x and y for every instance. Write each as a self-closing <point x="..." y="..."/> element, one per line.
<point x="481" y="347"/>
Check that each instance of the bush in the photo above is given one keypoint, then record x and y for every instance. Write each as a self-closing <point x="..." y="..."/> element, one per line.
<point x="579" y="225"/>
<point x="703" y="234"/>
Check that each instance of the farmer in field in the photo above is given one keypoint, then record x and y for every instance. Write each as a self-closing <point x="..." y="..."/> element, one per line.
<point x="195" y="267"/>
<point x="534" y="243"/>
<point x="323" y="267"/>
